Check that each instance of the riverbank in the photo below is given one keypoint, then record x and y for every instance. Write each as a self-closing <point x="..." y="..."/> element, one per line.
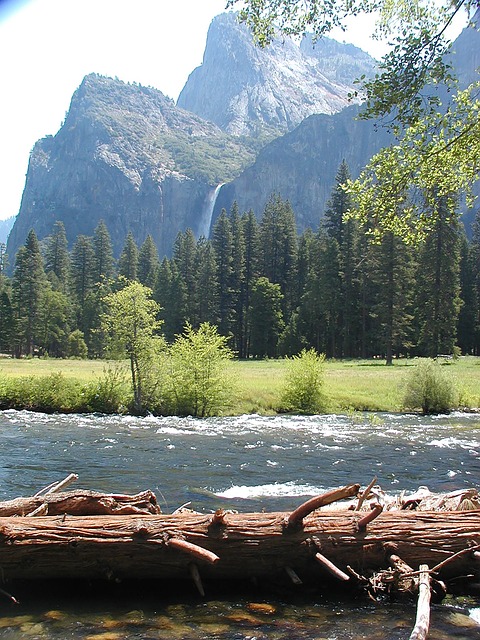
<point x="349" y="385"/>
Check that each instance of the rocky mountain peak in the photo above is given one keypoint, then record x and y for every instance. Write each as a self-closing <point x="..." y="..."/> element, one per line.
<point x="128" y="155"/>
<point x="247" y="90"/>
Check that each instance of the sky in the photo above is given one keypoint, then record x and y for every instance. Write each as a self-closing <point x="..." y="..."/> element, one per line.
<point x="48" y="46"/>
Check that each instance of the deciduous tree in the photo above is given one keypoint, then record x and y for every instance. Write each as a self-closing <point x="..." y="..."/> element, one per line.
<point x="131" y="322"/>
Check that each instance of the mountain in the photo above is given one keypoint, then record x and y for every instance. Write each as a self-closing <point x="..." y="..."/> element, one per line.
<point x="466" y="53"/>
<point x="247" y="90"/>
<point x="301" y="166"/>
<point x="126" y="154"/>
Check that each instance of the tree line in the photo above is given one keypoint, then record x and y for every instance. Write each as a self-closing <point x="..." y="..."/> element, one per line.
<point x="271" y="291"/>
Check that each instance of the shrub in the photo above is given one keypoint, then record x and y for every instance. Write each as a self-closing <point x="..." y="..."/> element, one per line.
<point x="430" y="388"/>
<point x="110" y="392"/>
<point x="200" y="385"/>
<point x="41" y="393"/>
<point x="303" y="384"/>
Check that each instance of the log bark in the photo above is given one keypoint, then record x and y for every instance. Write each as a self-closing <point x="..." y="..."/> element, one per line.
<point x="81" y="503"/>
<point x="247" y="545"/>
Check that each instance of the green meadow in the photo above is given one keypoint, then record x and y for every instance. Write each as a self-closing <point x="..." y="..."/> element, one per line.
<point x="349" y="385"/>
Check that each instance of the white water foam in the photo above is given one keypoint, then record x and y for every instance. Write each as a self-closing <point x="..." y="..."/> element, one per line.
<point x="275" y="490"/>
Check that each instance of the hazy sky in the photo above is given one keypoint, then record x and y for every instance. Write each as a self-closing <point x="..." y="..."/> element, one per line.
<point x="48" y="46"/>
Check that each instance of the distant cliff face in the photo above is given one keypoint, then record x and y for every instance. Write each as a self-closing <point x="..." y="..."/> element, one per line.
<point x="301" y="166"/>
<point x="247" y="90"/>
<point x="125" y="154"/>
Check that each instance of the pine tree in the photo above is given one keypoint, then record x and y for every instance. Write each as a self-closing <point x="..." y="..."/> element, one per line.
<point x="148" y="263"/>
<point x="93" y="334"/>
<point x="170" y="294"/>
<point x="474" y="266"/>
<point x="266" y="319"/>
<point x="128" y="261"/>
<point x="237" y="284"/>
<point x="392" y="273"/>
<point x="57" y="259"/>
<point x="7" y="324"/>
<point x="222" y="242"/>
<point x="252" y="272"/>
<point x="102" y="246"/>
<point x="54" y="323"/>
<point x="337" y="206"/>
<point x="319" y="310"/>
<point x="278" y="239"/>
<point x="28" y="286"/>
<point x="207" y="285"/>
<point x="438" y="285"/>
<point x="345" y="232"/>
<point x="184" y="252"/>
<point x="82" y="263"/>
<point x="468" y="326"/>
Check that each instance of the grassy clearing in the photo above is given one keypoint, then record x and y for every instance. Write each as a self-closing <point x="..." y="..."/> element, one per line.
<point x="353" y="385"/>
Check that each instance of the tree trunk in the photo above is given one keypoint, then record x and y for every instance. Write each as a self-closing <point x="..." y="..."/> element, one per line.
<point x="235" y="546"/>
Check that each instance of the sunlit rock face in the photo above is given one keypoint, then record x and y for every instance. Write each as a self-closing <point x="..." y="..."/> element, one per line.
<point x="301" y="166"/>
<point x="255" y="121"/>
<point x="247" y="90"/>
<point x="125" y="154"/>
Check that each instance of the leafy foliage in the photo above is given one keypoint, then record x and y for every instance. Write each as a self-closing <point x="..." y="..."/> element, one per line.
<point x="436" y="159"/>
<point x="42" y="393"/>
<point x="131" y="324"/>
<point x="109" y="393"/>
<point x="438" y="151"/>
<point x="199" y="382"/>
<point x="430" y="389"/>
<point x="304" y="381"/>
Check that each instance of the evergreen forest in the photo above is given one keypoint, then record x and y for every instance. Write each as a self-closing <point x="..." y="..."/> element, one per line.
<point x="271" y="291"/>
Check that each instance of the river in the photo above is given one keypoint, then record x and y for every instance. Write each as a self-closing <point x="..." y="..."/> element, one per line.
<point x="248" y="463"/>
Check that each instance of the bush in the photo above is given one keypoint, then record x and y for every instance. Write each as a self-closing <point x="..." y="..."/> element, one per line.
<point x="430" y="388"/>
<point x="303" y="385"/>
<point x="41" y="393"/>
<point x="200" y="384"/>
<point x="110" y="392"/>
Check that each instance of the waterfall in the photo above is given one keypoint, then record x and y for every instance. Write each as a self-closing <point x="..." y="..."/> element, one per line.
<point x="207" y="211"/>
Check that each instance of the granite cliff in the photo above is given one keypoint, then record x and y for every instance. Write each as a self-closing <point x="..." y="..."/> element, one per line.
<point x="126" y="154"/>
<point x="301" y="166"/>
<point x="247" y="90"/>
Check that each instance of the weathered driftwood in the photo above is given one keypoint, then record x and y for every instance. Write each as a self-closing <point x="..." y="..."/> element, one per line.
<point x="422" y="621"/>
<point x="235" y="546"/>
<point x="81" y="503"/>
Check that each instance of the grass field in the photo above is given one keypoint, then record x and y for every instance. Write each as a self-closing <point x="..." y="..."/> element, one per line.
<point x="350" y="385"/>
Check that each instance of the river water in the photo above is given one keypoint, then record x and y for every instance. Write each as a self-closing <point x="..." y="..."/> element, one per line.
<point x="248" y="463"/>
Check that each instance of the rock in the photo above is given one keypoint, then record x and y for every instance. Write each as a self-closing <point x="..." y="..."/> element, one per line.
<point x="249" y="90"/>
<point x="125" y="154"/>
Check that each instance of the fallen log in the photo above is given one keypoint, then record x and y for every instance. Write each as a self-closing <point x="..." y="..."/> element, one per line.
<point x="237" y="546"/>
<point x="81" y="503"/>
